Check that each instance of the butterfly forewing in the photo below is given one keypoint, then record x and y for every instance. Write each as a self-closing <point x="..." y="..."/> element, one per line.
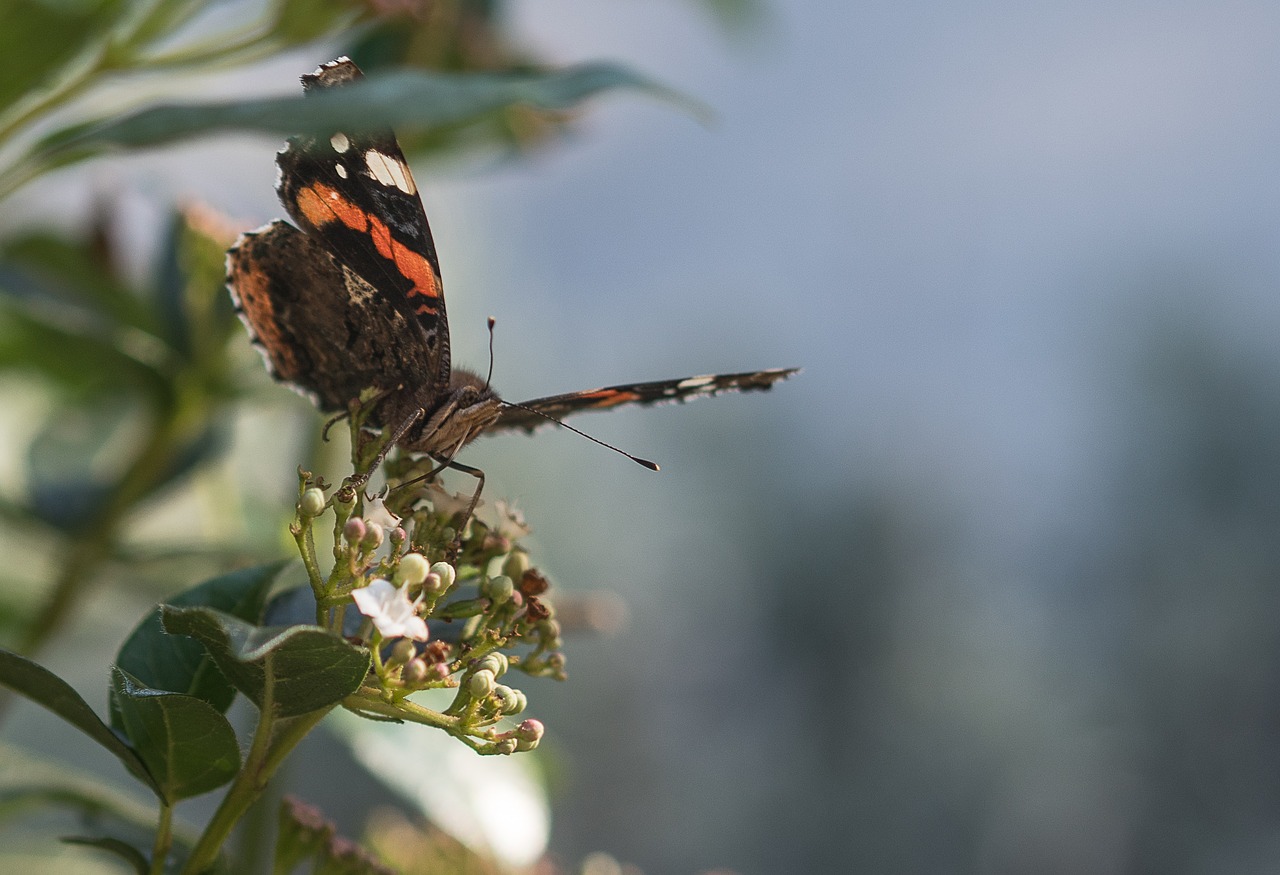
<point x="353" y="192"/>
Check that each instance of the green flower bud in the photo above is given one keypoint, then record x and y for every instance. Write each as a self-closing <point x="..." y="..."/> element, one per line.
<point x="448" y="574"/>
<point x="500" y="588"/>
<point x="510" y="699"/>
<point x="495" y="662"/>
<point x="507" y="701"/>
<point x="413" y="568"/>
<point x="516" y="565"/>
<point x="402" y="651"/>
<point x="481" y="684"/>
<point x="312" y="503"/>
<point x="506" y="746"/>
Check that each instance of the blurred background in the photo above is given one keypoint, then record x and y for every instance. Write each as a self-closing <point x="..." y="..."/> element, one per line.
<point x="992" y="586"/>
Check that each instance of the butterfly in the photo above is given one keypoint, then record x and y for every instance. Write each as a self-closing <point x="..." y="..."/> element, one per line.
<point x="350" y="299"/>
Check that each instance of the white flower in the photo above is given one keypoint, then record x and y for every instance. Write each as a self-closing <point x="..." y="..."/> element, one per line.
<point x="391" y="610"/>
<point x="375" y="511"/>
<point x="511" y="524"/>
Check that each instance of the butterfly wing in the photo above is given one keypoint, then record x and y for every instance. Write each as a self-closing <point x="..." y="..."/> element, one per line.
<point x="531" y="414"/>
<point x="354" y="193"/>
<point x="320" y="327"/>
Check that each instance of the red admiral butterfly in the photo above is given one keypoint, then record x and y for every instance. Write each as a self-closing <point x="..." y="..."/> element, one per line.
<point x="353" y="301"/>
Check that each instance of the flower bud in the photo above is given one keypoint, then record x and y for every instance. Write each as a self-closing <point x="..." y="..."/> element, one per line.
<point x="508" y="703"/>
<point x="448" y="574"/>
<point x="413" y="567"/>
<point x="402" y="651"/>
<point x="500" y="588"/>
<point x="516" y="565"/>
<point x="344" y="501"/>
<point x="481" y="684"/>
<point x="432" y="584"/>
<point x="522" y="702"/>
<point x="372" y="537"/>
<point x="312" y="503"/>
<point x="353" y="532"/>
<point x="398" y="536"/>
<point x="530" y="730"/>
<point x="494" y="662"/>
<point x="415" y="671"/>
<point x="506" y="746"/>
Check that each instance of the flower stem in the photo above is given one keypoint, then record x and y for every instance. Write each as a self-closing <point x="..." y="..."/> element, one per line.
<point x="273" y="740"/>
<point x="164" y="840"/>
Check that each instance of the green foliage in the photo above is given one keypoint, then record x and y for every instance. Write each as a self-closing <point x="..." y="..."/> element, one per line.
<point x="291" y="669"/>
<point x="188" y="746"/>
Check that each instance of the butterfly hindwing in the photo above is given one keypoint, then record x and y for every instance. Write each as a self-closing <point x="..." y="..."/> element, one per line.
<point x="320" y="326"/>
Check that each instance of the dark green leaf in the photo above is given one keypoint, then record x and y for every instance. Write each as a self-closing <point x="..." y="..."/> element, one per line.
<point x="179" y="664"/>
<point x="188" y="746"/>
<point x="408" y="99"/>
<point x="37" y="39"/>
<point x="124" y="850"/>
<point x="302" y="668"/>
<point x="45" y="688"/>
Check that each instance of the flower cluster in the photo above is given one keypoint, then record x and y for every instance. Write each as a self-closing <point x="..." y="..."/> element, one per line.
<point x="443" y="599"/>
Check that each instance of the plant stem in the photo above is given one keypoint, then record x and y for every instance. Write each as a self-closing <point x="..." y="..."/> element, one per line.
<point x="164" y="839"/>
<point x="272" y="742"/>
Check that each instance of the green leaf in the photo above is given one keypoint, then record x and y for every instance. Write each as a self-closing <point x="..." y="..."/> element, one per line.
<point x="188" y="746"/>
<point x="45" y="688"/>
<point x="409" y="99"/>
<point x="122" y="849"/>
<point x="179" y="664"/>
<point x="299" y="668"/>
<point x="39" y="38"/>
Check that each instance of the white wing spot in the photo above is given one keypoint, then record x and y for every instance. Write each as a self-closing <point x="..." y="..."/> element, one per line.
<point x="389" y="171"/>
<point x="695" y="382"/>
<point x="340" y="170"/>
<point x="340" y="143"/>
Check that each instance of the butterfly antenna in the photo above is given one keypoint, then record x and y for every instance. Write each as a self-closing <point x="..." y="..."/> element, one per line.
<point x="489" y="376"/>
<point x="652" y="466"/>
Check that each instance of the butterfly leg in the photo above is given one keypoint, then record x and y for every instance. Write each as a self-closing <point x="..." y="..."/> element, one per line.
<point x="388" y="441"/>
<point x="471" y="508"/>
